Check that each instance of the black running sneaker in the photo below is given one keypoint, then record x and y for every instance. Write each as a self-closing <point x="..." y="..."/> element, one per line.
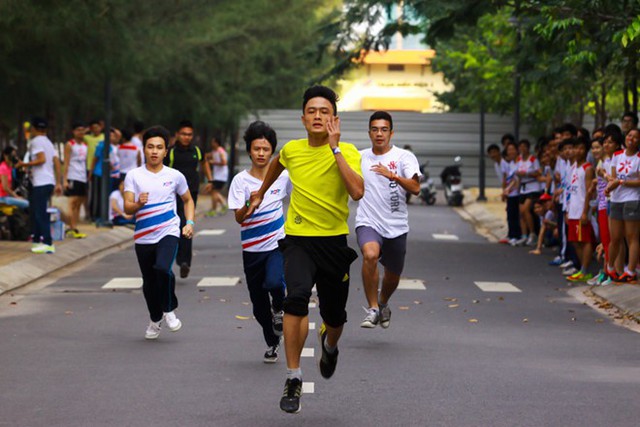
<point x="277" y="323"/>
<point x="184" y="270"/>
<point x="271" y="355"/>
<point x="326" y="362"/>
<point x="290" y="401"/>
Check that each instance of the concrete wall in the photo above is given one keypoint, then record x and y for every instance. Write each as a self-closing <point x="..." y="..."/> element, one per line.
<point x="437" y="138"/>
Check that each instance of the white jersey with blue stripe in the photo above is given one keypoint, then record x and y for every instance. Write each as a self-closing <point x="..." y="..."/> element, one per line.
<point x="262" y="230"/>
<point x="158" y="218"/>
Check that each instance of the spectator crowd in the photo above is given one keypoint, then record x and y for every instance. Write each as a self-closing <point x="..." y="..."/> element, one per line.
<point x="577" y="192"/>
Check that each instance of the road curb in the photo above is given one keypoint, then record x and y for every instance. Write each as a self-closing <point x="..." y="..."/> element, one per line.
<point x="34" y="267"/>
<point x="485" y="223"/>
<point x="626" y="298"/>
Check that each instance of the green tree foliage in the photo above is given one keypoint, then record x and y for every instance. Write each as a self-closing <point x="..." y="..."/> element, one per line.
<point x="211" y="61"/>
<point x="574" y="56"/>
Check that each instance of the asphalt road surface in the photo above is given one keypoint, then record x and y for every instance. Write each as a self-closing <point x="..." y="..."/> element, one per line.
<point x="513" y="350"/>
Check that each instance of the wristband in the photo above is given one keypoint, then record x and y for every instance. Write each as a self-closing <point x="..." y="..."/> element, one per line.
<point x="189" y="222"/>
<point x="336" y="150"/>
<point x="247" y="203"/>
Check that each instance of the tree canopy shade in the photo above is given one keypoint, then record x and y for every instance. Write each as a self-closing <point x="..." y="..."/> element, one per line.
<point x="573" y="57"/>
<point x="208" y="60"/>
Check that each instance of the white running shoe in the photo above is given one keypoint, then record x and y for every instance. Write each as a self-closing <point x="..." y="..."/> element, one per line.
<point x="531" y="240"/>
<point x="519" y="242"/>
<point x="44" y="249"/>
<point x="512" y="241"/>
<point x="569" y="271"/>
<point x="153" y="331"/>
<point x="371" y="319"/>
<point x="385" y="316"/>
<point x="173" y="323"/>
<point x="566" y="264"/>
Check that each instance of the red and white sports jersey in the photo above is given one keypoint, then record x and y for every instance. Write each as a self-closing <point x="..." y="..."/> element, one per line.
<point x="77" y="161"/>
<point x="529" y="165"/>
<point x="626" y="168"/>
<point x="577" y="191"/>
<point x="128" y="156"/>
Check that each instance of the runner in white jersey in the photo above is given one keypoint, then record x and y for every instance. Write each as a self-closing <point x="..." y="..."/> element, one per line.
<point x="624" y="214"/>
<point x="382" y="221"/>
<point x="150" y="194"/>
<point x="75" y="177"/>
<point x="220" y="169"/>
<point x="129" y="154"/>
<point x="579" y="225"/>
<point x="259" y="234"/>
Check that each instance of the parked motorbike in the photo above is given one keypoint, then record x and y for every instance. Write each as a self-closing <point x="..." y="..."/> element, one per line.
<point x="427" y="186"/>
<point x="452" y="183"/>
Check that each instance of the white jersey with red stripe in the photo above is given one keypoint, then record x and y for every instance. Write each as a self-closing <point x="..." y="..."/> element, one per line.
<point x="577" y="191"/>
<point x="128" y="156"/>
<point x="528" y="184"/>
<point x="262" y="230"/>
<point x="77" y="161"/>
<point x="626" y="168"/>
<point x="158" y="218"/>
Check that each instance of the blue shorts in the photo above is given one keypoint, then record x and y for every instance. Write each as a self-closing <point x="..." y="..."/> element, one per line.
<point x="392" y="251"/>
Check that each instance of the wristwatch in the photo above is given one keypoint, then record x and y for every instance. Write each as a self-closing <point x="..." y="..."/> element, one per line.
<point x="336" y="150"/>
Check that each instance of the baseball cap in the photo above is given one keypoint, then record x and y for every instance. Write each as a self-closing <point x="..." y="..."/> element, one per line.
<point x="39" y="123"/>
<point x="545" y="197"/>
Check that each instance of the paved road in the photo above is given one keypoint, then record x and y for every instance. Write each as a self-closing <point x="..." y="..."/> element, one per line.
<point x="73" y="354"/>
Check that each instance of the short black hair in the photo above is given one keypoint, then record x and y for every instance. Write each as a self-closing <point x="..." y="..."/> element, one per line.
<point x="157" y="131"/>
<point x="185" y="124"/>
<point x="94" y="122"/>
<point x="126" y="135"/>
<point x="571" y="128"/>
<point x="138" y="126"/>
<point x="8" y="150"/>
<point x="565" y="143"/>
<point x="633" y="116"/>
<point x="584" y="141"/>
<point x="508" y="137"/>
<point x="598" y="140"/>
<point x="381" y="115"/>
<point x="492" y="147"/>
<point x="525" y="142"/>
<point x="258" y="130"/>
<point x="77" y="124"/>
<point x="319" y="91"/>
<point x="614" y="132"/>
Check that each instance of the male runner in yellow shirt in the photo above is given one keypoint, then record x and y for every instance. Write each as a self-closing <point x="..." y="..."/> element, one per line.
<point x="324" y="173"/>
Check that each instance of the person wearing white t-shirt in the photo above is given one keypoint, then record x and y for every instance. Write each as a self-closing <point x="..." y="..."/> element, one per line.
<point x="117" y="215"/>
<point x="150" y="194"/>
<point x="220" y="169"/>
<point x="382" y="221"/>
<point x="129" y="153"/>
<point x="511" y="190"/>
<point x="530" y="189"/>
<point x="136" y="139"/>
<point x="75" y="177"/>
<point x="45" y="179"/>
<point x="624" y="214"/>
<point x="260" y="232"/>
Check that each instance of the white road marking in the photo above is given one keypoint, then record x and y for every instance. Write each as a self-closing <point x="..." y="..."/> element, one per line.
<point x="307" y="352"/>
<point x="308" y="388"/>
<point x="211" y="232"/>
<point x="445" y="237"/>
<point x="413" y="284"/>
<point x="312" y="326"/>
<point x="312" y="305"/>
<point x="207" y="282"/>
<point x="123" y="283"/>
<point x="497" y="287"/>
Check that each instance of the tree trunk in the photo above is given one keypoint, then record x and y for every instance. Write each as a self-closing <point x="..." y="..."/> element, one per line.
<point x="601" y="116"/>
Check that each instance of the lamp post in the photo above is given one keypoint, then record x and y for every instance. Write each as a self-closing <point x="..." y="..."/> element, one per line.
<point x="481" y="180"/>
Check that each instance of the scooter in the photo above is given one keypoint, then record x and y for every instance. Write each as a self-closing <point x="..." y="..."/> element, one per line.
<point x="452" y="182"/>
<point x="427" y="186"/>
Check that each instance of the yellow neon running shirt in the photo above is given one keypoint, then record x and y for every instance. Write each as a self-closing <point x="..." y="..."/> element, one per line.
<point x="319" y="200"/>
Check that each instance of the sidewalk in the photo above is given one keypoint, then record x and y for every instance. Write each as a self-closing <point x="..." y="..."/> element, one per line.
<point x="490" y="220"/>
<point x="19" y="267"/>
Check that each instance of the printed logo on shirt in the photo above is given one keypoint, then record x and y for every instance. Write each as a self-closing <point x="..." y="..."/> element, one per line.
<point x="167" y="183"/>
<point x="275" y="191"/>
<point x="624" y="167"/>
<point x="393" y="165"/>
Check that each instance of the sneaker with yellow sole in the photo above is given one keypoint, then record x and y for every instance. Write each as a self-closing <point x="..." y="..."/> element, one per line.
<point x="580" y="277"/>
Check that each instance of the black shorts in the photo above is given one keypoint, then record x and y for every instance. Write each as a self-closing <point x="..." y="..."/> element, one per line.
<point x="325" y="262"/>
<point x="76" y="188"/>
<point x="533" y="196"/>
<point x="219" y="185"/>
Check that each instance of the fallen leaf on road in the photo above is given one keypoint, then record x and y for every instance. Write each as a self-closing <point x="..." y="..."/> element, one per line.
<point x="242" y="317"/>
<point x="525" y="320"/>
<point x="201" y="290"/>
<point x="500" y="298"/>
<point x="473" y="320"/>
<point x="13" y="303"/>
<point x="599" y="320"/>
<point x="454" y="305"/>
<point x="417" y="302"/>
<point x="475" y="301"/>
<point x="206" y="297"/>
<point x="245" y="303"/>
<point x="487" y="299"/>
<point x="68" y="312"/>
<point x="451" y="299"/>
<point x="223" y="300"/>
<point x="403" y="307"/>
<point x="573" y="319"/>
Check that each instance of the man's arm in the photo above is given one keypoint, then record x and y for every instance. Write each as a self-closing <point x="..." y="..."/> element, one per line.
<point x="189" y="214"/>
<point x="273" y="172"/>
<point x="352" y="181"/>
<point x="206" y="167"/>
<point x="588" y="177"/>
<point x="411" y="185"/>
<point x="57" y="170"/>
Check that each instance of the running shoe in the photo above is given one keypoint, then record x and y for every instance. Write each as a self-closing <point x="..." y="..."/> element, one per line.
<point x="385" y="316"/>
<point x="277" y="322"/>
<point x="326" y="362"/>
<point x="153" y="331"/>
<point x="184" y="270"/>
<point x="566" y="264"/>
<point x="75" y="234"/>
<point x="512" y="241"/>
<point x="607" y="281"/>
<point x="519" y="242"/>
<point x="224" y="210"/>
<point x="44" y="249"/>
<point x="504" y="241"/>
<point x="531" y="240"/>
<point x="211" y="214"/>
<point x="290" y="401"/>
<point x="556" y="261"/>
<point x="271" y="355"/>
<point x="612" y="274"/>
<point x="580" y="277"/>
<point x="627" y="278"/>
<point x="597" y="280"/>
<point x="569" y="271"/>
<point x="173" y="323"/>
<point x="371" y="319"/>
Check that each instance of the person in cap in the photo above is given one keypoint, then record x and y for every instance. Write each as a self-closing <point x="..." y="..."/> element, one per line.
<point x="543" y="208"/>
